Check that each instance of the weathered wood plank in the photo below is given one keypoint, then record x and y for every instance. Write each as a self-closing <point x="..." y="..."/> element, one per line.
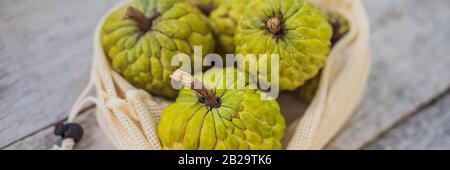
<point x="93" y="137"/>
<point x="428" y="129"/>
<point x="410" y="65"/>
<point x="46" y="49"/>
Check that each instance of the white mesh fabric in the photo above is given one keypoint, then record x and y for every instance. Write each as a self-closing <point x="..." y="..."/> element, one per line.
<point x="129" y="116"/>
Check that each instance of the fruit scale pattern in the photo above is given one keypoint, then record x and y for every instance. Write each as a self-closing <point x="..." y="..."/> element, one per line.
<point x="294" y="29"/>
<point x="141" y="38"/>
<point x="142" y="52"/>
<point x="238" y="120"/>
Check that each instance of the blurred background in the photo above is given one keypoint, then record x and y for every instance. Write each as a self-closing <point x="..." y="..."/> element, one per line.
<point x="46" y="52"/>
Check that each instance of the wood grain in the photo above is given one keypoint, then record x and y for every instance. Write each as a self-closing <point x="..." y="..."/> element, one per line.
<point x="428" y="129"/>
<point x="46" y="49"/>
<point x="93" y="137"/>
<point x="410" y="66"/>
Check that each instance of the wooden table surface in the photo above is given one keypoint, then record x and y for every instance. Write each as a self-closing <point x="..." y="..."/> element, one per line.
<point x="46" y="50"/>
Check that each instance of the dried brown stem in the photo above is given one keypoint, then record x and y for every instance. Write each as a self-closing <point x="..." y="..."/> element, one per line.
<point x="209" y="96"/>
<point x="274" y="25"/>
<point x="144" y="23"/>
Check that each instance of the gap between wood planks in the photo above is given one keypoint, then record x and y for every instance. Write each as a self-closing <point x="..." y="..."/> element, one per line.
<point x="408" y="116"/>
<point x="82" y="111"/>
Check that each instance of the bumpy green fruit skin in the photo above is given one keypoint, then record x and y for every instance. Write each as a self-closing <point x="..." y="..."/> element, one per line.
<point x="144" y="57"/>
<point x="242" y="121"/>
<point x="340" y="28"/>
<point x="223" y="16"/>
<point x="302" y="40"/>
<point x="224" y="21"/>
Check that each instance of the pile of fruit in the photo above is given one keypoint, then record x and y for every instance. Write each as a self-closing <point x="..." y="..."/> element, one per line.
<point x="141" y="38"/>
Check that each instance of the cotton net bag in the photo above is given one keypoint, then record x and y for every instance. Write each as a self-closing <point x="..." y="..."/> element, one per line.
<point x="130" y="116"/>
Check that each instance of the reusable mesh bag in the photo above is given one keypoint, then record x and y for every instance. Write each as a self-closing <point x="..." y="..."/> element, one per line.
<point x="129" y="116"/>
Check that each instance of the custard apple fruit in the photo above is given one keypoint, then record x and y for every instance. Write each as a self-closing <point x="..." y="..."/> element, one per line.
<point x="340" y="28"/>
<point x="221" y="118"/>
<point x="223" y="16"/>
<point x="294" y="29"/>
<point x="141" y="38"/>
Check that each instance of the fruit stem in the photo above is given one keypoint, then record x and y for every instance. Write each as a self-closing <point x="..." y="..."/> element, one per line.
<point x="274" y="25"/>
<point x="209" y="95"/>
<point x="144" y="23"/>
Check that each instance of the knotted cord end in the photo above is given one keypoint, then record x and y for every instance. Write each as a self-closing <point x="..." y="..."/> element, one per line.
<point x="69" y="131"/>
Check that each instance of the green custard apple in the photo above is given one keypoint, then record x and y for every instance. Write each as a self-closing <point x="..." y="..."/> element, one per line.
<point x="223" y="16"/>
<point x="340" y="28"/>
<point x="293" y="29"/>
<point x="224" y="21"/>
<point x="221" y="118"/>
<point x="141" y="38"/>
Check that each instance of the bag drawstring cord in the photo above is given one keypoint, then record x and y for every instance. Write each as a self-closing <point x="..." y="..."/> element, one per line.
<point x="72" y="132"/>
